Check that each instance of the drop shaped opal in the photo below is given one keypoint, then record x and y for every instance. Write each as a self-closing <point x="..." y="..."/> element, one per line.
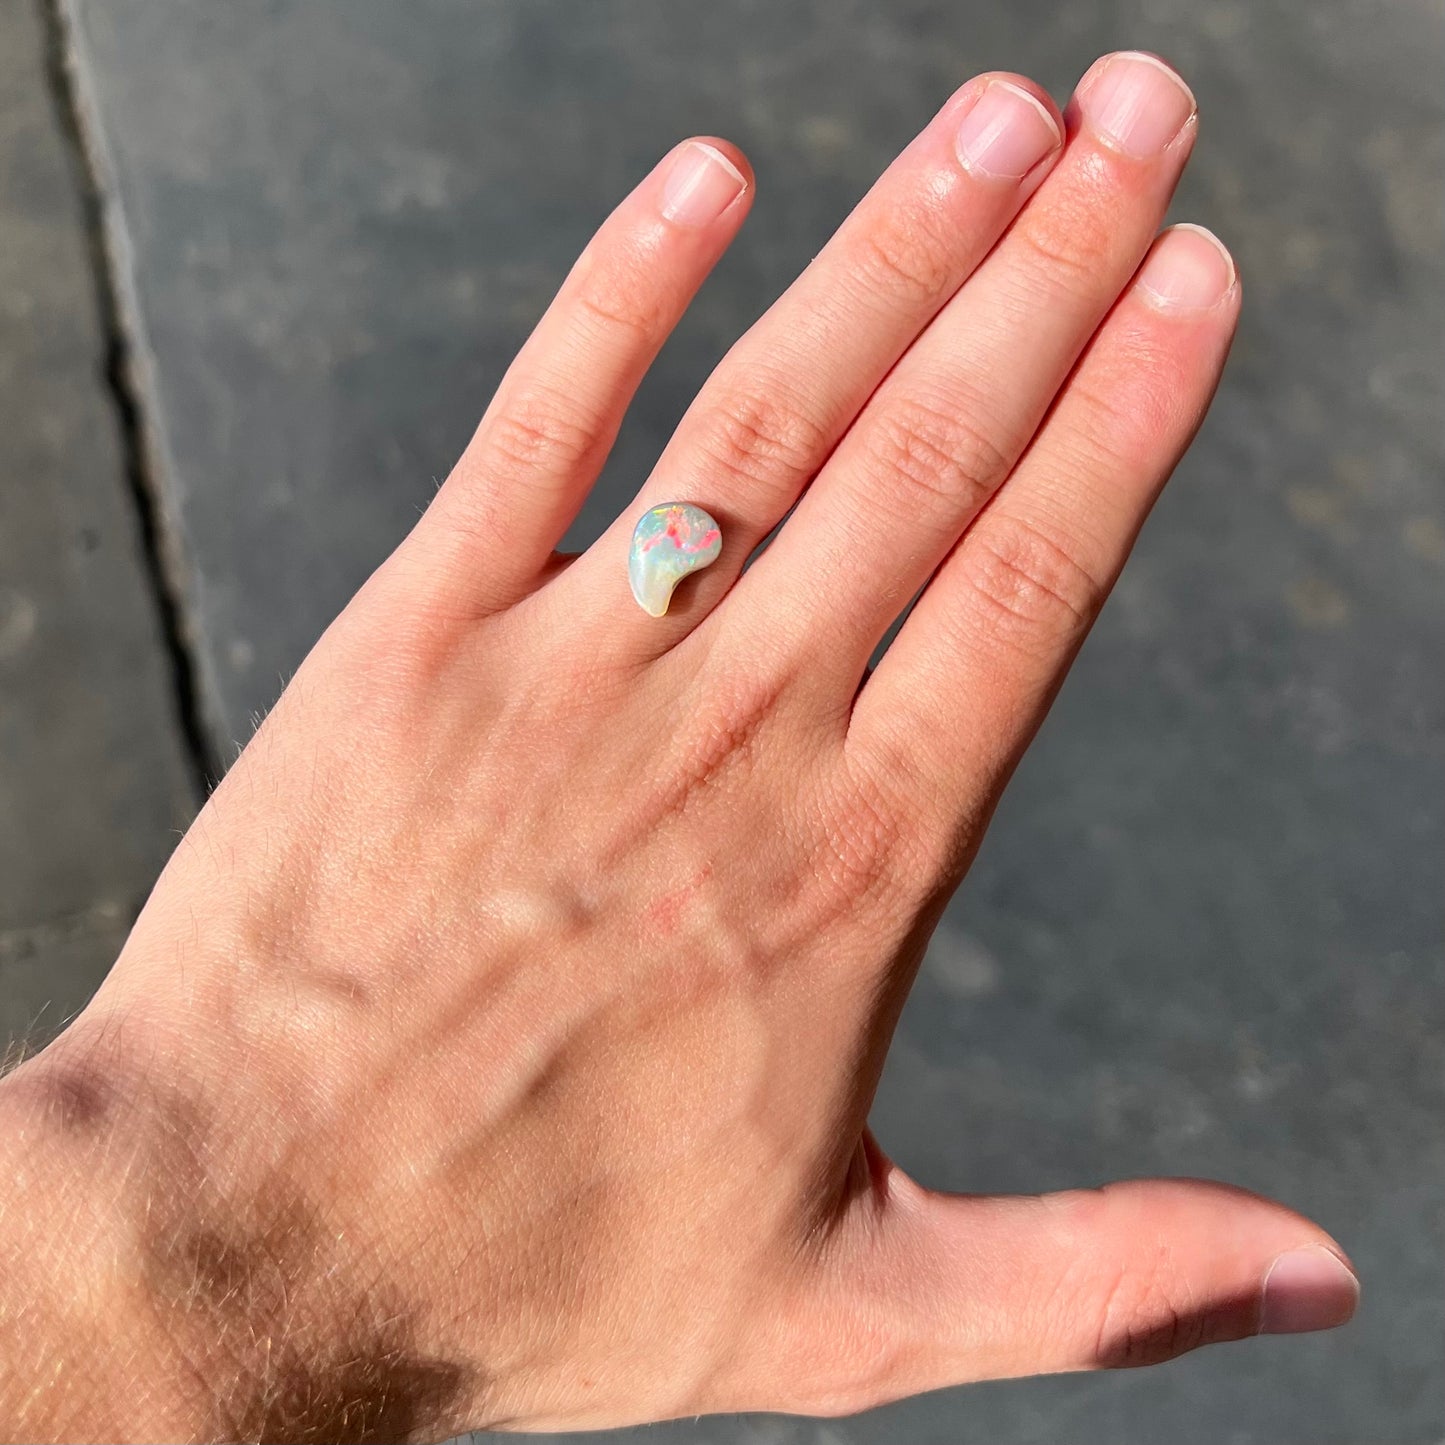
<point x="669" y="542"/>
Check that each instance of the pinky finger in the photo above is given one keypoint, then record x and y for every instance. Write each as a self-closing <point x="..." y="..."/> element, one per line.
<point x="552" y="422"/>
<point x="969" y="678"/>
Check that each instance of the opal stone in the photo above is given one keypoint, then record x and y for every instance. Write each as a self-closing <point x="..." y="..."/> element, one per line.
<point x="669" y="542"/>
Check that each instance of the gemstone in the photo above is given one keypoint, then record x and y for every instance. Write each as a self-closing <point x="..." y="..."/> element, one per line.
<point x="669" y="542"/>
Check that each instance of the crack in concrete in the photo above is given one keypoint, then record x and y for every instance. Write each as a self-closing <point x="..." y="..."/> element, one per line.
<point x="162" y="554"/>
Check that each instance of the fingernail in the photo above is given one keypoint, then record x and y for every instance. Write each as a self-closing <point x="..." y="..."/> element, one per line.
<point x="1188" y="269"/>
<point x="1006" y="133"/>
<point x="1307" y="1289"/>
<point x="1136" y="102"/>
<point x="701" y="185"/>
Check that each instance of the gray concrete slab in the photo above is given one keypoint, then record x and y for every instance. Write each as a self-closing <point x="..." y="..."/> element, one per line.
<point x="93" y="782"/>
<point x="1205" y="936"/>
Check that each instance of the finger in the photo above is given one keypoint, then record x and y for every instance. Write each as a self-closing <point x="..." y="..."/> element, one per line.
<point x="996" y="629"/>
<point x="925" y="1289"/>
<point x="777" y="404"/>
<point x="941" y="434"/>
<point x="547" y="432"/>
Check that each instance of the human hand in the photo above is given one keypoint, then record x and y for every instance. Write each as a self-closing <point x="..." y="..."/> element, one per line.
<point x="498" y="1046"/>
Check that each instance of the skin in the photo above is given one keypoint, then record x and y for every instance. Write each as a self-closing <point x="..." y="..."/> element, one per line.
<point x="497" y="1047"/>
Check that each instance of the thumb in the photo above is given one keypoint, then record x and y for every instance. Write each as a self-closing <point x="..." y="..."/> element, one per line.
<point x="931" y="1289"/>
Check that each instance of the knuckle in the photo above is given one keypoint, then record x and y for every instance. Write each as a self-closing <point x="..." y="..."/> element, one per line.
<point x="541" y="430"/>
<point x="725" y="729"/>
<point x="716" y="742"/>
<point x="1135" y="407"/>
<point x="626" y="313"/>
<point x="934" y="457"/>
<point x="1069" y="243"/>
<point x="1036" y="593"/>
<point x="763" y="439"/>
<point x="1147" y="1315"/>
<point x="860" y="845"/>
<point x="1121" y="431"/>
<point x="906" y="258"/>
<point x="618" y="296"/>
<point x="876" y="845"/>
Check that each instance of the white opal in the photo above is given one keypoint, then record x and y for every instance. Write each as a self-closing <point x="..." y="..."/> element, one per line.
<point x="669" y="542"/>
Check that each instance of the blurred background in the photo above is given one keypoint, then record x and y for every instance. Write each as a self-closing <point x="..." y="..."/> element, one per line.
<point x="261" y="266"/>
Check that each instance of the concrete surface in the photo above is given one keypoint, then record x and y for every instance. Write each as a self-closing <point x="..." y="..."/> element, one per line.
<point x="93" y="782"/>
<point x="1205" y="936"/>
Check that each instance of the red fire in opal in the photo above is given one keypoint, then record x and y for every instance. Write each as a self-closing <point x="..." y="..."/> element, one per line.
<point x="679" y="532"/>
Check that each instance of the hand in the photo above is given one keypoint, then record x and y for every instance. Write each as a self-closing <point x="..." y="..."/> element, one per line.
<point x="498" y="1046"/>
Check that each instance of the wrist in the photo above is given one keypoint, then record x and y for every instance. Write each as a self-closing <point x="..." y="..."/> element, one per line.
<point x="87" y="1352"/>
<point x="171" y="1225"/>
